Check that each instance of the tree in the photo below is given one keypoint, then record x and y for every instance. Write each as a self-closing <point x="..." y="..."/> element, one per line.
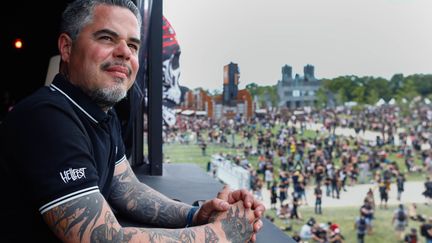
<point x="252" y="88"/>
<point x="408" y="90"/>
<point x="372" y="97"/>
<point x="322" y="98"/>
<point x="396" y="82"/>
<point x="359" y="94"/>
<point x="380" y="86"/>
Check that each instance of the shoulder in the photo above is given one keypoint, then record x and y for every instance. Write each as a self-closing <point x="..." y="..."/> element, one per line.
<point x="44" y="99"/>
<point x="42" y="109"/>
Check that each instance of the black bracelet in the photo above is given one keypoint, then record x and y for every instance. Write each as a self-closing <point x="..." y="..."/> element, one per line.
<point x="190" y="215"/>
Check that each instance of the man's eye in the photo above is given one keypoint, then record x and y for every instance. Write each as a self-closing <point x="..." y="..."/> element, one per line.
<point x="108" y="38"/>
<point x="133" y="47"/>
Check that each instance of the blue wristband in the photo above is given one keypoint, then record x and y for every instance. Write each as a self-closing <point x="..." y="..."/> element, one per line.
<point x="190" y="215"/>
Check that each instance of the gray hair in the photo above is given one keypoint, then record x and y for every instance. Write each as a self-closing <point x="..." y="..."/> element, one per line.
<point x="80" y="12"/>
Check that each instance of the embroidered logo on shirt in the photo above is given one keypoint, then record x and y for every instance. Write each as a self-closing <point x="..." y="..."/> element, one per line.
<point x="72" y="174"/>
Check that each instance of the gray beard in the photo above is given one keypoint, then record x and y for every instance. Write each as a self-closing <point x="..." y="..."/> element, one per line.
<point x="107" y="97"/>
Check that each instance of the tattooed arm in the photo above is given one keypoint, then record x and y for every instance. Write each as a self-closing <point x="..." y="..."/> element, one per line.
<point x="90" y="219"/>
<point x="144" y="204"/>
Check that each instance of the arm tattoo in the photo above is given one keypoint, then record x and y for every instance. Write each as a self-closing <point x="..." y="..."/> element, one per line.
<point x="210" y="235"/>
<point x="183" y="236"/>
<point x="85" y="210"/>
<point x="237" y="228"/>
<point x="107" y="232"/>
<point x="144" y="204"/>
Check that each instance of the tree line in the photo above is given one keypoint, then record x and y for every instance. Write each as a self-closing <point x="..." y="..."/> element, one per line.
<point x="363" y="90"/>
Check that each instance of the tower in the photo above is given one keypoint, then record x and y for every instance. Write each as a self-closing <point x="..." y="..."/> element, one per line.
<point x="309" y="72"/>
<point x="230" y="85"/>
<point x="286" y="73"/>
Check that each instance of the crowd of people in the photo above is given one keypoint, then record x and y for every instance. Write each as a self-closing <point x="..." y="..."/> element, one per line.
<point x="288" y="162"/>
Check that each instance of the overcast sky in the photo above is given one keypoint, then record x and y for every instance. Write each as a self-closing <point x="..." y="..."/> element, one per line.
<point x="339" y="37"/>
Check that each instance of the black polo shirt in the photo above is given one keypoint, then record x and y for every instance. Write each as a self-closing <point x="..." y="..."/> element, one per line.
<point x="56" y="145"/>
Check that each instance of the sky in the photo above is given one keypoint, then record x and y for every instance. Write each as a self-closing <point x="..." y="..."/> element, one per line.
<point x="339" y="37"/>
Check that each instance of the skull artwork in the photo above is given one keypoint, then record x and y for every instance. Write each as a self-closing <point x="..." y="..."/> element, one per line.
<point x="171" y="73"/>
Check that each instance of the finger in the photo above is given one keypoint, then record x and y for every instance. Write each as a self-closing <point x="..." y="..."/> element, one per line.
<point x="259" y="209"/>
<point x="209" y="208"/>
<point x="224" y="193"/>
<point x="257" y="226"/>
<point x="242" y="195"/>
<point x="216" y="204"/>
<point x="253" y="239"/>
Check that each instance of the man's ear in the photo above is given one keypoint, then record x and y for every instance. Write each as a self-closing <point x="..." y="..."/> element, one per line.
<point x="64" y="46"/>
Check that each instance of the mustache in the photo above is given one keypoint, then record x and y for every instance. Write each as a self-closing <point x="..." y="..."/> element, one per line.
<point x="107" y="65"/>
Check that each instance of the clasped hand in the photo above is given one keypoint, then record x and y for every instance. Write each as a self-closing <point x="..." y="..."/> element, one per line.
<point x="238" y="213"/>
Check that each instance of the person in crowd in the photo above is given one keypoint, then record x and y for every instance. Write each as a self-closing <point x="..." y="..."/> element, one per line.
<point x="428" y="190"/>
<point x="336" y="236"/>
<point x="273" y="195"/>
<point x="203" y="146"/>
<point x="318" y="199"/>
<point x="367" y="211"/>
<point x="294" y="208"/>
<point x="284" y="213"/>
<point x="335" y="185"/>
<point x="400" y="184"/>
<point x="268" y="176"/>
<point x="413" y="215"/>
<point x="400" y="221"/>
<point x="370" y="197"/>
<point x="412" y="236"/>
<point x="327" y="183"/>
<point x="426" y="230"/>
<point x="306" y="229"/>
<point x="383" y="192"/>
<point x="362" y="227"/>
<point x="319" y="233"/>
<point x="64" y="142"/>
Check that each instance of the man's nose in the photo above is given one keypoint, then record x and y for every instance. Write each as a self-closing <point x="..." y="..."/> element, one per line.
<point x="122" y="50"/>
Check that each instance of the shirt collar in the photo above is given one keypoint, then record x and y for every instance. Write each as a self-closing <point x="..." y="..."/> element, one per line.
<point x="79" y="99"/>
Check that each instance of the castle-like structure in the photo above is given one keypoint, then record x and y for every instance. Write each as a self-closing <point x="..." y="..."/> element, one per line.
<point x="300" y="91"/>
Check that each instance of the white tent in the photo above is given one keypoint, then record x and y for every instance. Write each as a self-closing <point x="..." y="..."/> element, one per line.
<point x="380" y="102"/>
<point x="201" y="113"/>
<point x="427" y="101"/>
<point x="392" y="101"/>
<point x="261" y="111"/>
<point x="350" y="103"/>
<point x="188" y="112"/>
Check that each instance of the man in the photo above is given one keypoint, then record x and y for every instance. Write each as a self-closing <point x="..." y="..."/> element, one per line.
<point x="62" y="156"/>
<point x="426" y="230"/>
<point x="362" y="226"/>
<point x="318" y="197"/>
<point x="428" y="190"/>
<point x="400" y="183"/>
<point x="367" y="211"/>
<point x="400" y="221"/>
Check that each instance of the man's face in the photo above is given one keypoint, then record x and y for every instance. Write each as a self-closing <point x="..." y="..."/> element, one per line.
<point x="103" y="60"/>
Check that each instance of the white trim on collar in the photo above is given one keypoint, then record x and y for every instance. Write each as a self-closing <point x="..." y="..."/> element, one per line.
<point x="73" y="102"/>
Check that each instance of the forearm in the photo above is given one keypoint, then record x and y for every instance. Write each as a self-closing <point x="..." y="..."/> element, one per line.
<point x="204" y="233"/>
<point x="142" y="203"/>
<point x="89" y="219"/>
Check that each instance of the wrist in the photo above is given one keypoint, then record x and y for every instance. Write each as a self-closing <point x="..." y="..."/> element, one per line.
<point x="190" y="217"/>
